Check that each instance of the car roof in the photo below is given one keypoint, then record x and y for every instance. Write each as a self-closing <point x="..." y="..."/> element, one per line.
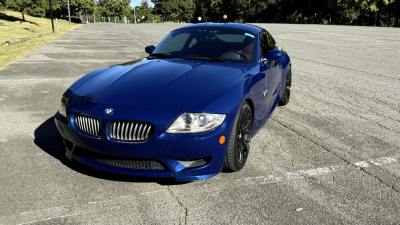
<point x="248" y="27"/>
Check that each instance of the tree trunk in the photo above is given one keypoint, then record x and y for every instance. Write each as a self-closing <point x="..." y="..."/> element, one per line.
<point x="378" y="15"/>
<point x="396" y="21"/>
<point x="371" y="19"/>
<point x="23" y="16"/>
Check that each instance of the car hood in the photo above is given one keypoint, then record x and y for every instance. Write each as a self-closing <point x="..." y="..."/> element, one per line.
<point x="172" y="84"/>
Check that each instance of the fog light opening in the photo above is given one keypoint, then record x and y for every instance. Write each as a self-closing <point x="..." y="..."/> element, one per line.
<point x="193" y="163"/>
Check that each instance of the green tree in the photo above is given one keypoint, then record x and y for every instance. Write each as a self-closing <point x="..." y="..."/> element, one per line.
<point x="3" y="3"/>
<point x="85" y="6"/>
<point x="20" y="6"/>
<point x="114" y="7"/>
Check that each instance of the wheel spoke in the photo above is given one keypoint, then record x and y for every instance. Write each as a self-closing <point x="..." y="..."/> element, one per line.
<point x="244" y="127"/>
<point x="241" y="145"/>
<point x="245" y="132"/>
<point x="244" y="155"/>
<point x="246" y="123"/>
<point x="243" y="120"/>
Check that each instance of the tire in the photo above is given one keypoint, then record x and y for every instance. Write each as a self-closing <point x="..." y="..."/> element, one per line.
<point x="286" y="90"/>
<point x="239" y="142"/>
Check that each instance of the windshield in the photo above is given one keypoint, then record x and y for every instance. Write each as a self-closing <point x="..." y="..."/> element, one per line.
<point x="209" y="43"/>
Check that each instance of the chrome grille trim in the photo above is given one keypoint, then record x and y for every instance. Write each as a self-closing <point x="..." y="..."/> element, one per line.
<point x="89" y="125"/>
<point x="130" y="131"/>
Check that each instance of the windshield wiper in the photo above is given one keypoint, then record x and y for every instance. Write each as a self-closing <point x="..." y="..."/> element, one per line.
<point x="161" y="55"/>
<point x="204" y="57"/>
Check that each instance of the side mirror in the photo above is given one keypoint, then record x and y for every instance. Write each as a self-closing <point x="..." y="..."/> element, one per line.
<point x="274" y="55"/>
<point x="149" y="49"/>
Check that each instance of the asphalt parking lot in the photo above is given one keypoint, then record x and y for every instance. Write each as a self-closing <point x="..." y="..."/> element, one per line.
<point x="331" y="156"/>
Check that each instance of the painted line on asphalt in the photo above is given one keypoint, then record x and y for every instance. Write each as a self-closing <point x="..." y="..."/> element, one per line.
<point x="151" y="192"/>
<point x="269" y="179"/>
<point x="301" y="174"/>
<point x="44" y="209"/>
<point x="50" y="218"/>
<point x="36" y="212"/>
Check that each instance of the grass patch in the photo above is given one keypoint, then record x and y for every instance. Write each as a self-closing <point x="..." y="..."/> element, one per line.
<point x="12" y="27"/>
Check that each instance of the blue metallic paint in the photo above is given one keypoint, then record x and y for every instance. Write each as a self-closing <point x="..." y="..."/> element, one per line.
<point x="157" y="82"/>
<point x="158" y="91"/>
<point x="149" y="49"/>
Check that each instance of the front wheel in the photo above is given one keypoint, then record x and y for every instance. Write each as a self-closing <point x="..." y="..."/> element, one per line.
<point x="239" y="141"/>
<point x="286" y="90"/>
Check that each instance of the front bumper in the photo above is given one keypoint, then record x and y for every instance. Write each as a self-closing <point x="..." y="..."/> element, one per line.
<point x="167" y="149"/>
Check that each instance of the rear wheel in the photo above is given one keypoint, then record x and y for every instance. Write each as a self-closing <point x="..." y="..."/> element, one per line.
<point x="239" y="141"/>
<point x="286" y="90"/>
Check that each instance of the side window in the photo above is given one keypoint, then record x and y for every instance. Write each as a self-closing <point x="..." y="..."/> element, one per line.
<point x="193" y="42"/>
<point x="267" y="43"/>
<point x="273" y="43"/>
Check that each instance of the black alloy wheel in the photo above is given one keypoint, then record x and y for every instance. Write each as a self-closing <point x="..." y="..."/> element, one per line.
<point x="239" y="141"/>
<point x="286" y="91"/>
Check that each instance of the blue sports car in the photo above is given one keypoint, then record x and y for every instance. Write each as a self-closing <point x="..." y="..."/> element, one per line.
<point x="188" y="111"/>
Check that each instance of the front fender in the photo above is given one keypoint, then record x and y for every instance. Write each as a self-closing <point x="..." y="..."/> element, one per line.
<point x="230" y="96"/>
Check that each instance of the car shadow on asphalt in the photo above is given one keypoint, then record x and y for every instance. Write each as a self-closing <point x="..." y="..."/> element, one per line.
<point x="50" y="141"/>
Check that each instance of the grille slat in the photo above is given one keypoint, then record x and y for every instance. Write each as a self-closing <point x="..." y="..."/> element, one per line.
<point x="89" y="125"/>
<point x="117" y="133"/>
<point x="139" y="131"/>
<point x="84" y="124"/>
<point x="144" y="131"/>
<point x="92" y="125"/>
<point x="112" y="134"/>
<point x="148" y="132"/>
<point x="130" y="131"/>
<point x="126" y="131"/>
<point x="97" y="126"/>
<point x="134" y="133"/>
<point x="122" y="131"/>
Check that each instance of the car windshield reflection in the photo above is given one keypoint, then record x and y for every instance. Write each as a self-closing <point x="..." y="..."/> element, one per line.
<point x="209" y="43"/>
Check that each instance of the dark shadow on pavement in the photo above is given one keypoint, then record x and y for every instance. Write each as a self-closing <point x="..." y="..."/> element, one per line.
<point x="49" y="140"/>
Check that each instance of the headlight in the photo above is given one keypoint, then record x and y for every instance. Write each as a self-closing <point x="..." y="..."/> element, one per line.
<point x="190" y="123"/>
<point x="63" y="106"/>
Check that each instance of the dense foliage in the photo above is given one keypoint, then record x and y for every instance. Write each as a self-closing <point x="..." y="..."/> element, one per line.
<point x="348" y="12"/>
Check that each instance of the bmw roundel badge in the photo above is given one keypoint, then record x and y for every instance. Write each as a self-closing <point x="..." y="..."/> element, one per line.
<point x="109" y="111"/>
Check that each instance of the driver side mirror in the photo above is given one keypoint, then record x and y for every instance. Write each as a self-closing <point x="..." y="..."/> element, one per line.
<point x="149" y="49"/>
<point x="274" y="55"/>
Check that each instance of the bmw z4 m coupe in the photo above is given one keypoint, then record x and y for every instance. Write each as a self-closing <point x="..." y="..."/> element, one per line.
<point x="188" y="111"/>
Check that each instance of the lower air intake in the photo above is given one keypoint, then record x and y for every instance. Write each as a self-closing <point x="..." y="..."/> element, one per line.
<point x="132" y="163"/>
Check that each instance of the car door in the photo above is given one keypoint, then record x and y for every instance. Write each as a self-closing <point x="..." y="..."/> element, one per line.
<point x="271" y="71"/>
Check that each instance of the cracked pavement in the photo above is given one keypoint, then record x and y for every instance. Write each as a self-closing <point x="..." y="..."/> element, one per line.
<point x="331" y="156"/>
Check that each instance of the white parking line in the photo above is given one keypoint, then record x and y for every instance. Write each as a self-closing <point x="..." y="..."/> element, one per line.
<point x="301" y="174"/>
<point x="44" y="209"/>
<point x="151" y="192"/>
<point x="59" y="208"/>
<point x="49" y="218"/>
